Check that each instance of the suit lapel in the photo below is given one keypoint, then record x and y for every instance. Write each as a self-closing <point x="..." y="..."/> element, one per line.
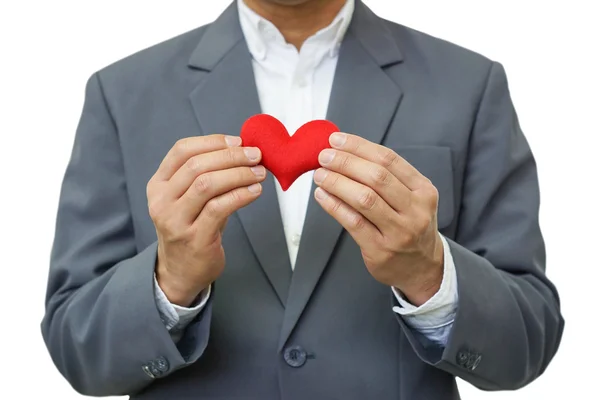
<point x="363" y="101"/>
<point x="223" y="100"/>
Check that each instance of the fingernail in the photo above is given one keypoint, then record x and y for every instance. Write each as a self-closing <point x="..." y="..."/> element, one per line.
<point x="326" y="156"/>
<point x="337" y="139"/>
<point x="259" y="171"/>
<point x="320" y="175"/>
<point x="256" y="188"/>
<point x="253" y="153"/>
<point x="233" y="141"/>
<point x="320" y="194"/>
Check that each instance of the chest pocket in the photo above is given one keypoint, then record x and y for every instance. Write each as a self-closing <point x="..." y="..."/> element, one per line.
<point x="434" y="162"/>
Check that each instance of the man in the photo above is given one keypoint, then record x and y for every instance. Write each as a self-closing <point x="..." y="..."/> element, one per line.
<point x="181" y="269"/>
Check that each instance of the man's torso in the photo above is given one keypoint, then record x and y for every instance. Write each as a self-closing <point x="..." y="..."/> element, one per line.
<point x="326" y="330"/>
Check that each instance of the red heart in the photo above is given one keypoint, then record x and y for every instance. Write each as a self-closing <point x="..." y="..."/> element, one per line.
<point x="287" y="157"/>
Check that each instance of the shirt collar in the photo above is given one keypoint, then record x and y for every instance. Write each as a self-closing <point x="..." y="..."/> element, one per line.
<point x="260" y="34"/>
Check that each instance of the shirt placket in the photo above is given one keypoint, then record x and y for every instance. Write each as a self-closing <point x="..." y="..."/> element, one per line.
<point x="299" y="110"/>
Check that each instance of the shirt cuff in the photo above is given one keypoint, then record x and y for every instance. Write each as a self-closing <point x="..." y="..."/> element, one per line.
<point x="175" y="317"/>
<point x="438" y="313"/>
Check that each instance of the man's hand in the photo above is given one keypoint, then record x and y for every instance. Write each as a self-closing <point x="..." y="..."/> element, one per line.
<point x="390" y="210"/>
<point x="198" y="185"/>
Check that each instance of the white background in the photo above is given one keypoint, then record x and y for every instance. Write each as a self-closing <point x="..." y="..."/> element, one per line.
<point x="49" y="49"/>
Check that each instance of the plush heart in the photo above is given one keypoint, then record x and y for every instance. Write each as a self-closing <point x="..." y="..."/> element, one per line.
<point x="287" y="157"/>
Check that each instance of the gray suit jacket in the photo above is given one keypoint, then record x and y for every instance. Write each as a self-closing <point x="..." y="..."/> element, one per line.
<point x="327" y="330"/>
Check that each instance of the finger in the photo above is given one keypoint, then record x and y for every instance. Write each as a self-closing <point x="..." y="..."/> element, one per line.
<point x="213" y="184"/>
<point x="214" y="161"/>
<point x="218" y="209"/>
<point x="362" y="231"/>
<point x="370" y="174"/>
<point x="387" y="158"/>
<point x="189" y="147"/>
<point x="358" y="196"/>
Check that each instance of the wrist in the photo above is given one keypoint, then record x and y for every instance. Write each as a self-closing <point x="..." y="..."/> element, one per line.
<point x="428" y="287"/>
<point x="430" y="281"/>
<point x="177" y="291"/>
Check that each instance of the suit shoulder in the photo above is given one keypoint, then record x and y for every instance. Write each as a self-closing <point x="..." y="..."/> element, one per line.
<point x="154" y="60"/>
<point x="434" y="52"/>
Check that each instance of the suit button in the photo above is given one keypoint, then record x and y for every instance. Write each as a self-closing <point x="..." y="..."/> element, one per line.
<point x="155" y="371"/>
<point x="161" y="364"/>
<point x="473" y="361"/>
<point x="147" y="371"/>
<point x="461" y="358"/>
<point x="295" y="356"/>
<point x="156" y="368"/>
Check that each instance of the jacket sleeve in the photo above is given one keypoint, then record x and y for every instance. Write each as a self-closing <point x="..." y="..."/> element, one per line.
<point x="101" y="326"/>
<point x="508" y="324"/>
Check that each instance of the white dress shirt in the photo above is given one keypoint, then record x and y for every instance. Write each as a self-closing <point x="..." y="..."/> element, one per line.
<point x="294" y="86"/>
